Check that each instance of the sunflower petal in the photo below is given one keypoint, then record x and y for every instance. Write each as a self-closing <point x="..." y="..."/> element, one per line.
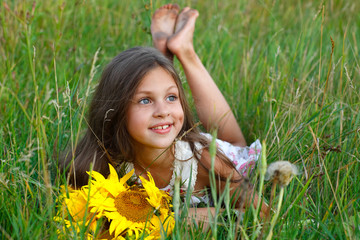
<point x="113" y="174"/>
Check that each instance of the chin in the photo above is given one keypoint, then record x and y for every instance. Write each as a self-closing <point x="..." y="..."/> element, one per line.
<point x="163" y="145"/>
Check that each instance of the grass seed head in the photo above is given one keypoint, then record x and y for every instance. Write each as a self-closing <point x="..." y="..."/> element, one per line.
<point x="281" y="172"/>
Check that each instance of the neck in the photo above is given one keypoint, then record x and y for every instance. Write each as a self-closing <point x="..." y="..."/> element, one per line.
<point x="158" y="162"/>
<point x="155" y="158"/>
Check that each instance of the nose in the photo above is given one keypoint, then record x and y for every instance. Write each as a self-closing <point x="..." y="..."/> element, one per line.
<point x="161" y="110"/>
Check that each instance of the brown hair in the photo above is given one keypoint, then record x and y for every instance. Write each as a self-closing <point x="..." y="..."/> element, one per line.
<point x="107" y="139"/>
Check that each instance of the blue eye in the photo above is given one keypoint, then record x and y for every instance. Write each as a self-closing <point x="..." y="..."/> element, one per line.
<point x="144" y="101"/>
<point x="172" y="98"/>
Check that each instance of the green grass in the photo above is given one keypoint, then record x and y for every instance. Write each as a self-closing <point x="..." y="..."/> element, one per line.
<point x="273" y="61"/>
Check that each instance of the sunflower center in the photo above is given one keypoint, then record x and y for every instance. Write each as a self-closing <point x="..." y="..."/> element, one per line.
<point x="133" y="205"/>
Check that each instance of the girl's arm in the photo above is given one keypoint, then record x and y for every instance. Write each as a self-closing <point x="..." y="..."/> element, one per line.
<point x="238" y="184"/>
<point x="211" y="106"/>
<point x="201" y="216"/>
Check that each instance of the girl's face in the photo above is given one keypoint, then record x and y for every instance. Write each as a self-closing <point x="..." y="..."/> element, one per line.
<point x="155" y="115"/>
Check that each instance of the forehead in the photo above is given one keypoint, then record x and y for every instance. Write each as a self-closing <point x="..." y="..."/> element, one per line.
<point x="157" y="78"/>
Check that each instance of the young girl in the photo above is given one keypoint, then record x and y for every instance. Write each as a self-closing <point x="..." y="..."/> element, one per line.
<point x="139" y="116"/>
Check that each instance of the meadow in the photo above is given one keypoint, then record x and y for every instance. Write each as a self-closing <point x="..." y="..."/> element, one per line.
<point x="289" y="69"/>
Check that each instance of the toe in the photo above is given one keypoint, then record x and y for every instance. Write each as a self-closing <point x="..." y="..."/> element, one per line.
<point x="175" y="7"/>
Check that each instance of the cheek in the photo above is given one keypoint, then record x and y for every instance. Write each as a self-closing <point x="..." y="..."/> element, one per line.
<point x="182" y="111"/>
<point x="132" y="120"/>
<point x="181" y="115"/>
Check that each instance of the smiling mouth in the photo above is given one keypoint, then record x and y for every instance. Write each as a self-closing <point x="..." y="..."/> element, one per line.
<point x="161" y="127"/>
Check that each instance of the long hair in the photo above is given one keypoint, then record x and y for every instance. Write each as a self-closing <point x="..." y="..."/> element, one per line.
<point x="107" y="139"/>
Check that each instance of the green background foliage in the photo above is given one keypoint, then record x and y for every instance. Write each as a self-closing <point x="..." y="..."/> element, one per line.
<point x="272" y="59"/>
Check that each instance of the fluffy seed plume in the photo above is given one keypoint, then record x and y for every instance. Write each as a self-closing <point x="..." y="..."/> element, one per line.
<point x="281" y="172"/>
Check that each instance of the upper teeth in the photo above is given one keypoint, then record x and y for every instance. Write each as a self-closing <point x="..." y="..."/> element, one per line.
<point x="161" y="127"/>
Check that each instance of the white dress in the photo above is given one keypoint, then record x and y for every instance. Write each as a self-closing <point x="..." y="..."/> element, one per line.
<point x="186" y="165"/>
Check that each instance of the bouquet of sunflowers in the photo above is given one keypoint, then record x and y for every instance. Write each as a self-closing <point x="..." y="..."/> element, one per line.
<point x="108" y="208"/>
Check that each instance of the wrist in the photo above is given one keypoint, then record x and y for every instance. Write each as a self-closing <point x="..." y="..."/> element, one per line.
<point x="187" y="56"/>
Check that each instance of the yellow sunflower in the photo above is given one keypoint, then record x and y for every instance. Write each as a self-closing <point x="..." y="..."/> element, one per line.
<point x="102" y="191"/>
<point x="74" y="210"/>
<point x="156" y="197"/>
<point x="131" y="210"/>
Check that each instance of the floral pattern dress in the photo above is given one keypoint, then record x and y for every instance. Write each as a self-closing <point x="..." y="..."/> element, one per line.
<point x="186" y="165"/>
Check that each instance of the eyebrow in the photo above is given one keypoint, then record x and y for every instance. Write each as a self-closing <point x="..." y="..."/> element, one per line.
<point x="147" y="92"/>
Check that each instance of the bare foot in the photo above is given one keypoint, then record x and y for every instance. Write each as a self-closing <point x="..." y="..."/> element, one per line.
<point x="162" y="27"/>
<point x="181" y="42"/>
